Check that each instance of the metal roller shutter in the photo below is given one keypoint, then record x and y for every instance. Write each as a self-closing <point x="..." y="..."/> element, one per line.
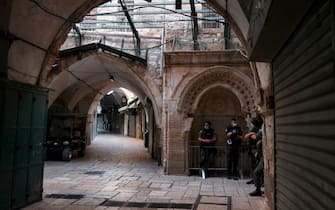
<point x="304" y="88"/>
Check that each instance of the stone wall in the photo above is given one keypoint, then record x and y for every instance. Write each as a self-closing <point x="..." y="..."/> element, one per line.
<point x="266" y="109"/>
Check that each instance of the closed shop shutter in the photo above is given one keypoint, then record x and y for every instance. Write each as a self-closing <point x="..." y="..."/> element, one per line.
<point x="132" y="126"/>
<point x="304" y="88"/>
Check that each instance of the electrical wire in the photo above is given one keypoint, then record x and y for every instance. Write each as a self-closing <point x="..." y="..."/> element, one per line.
<point x="84" y="82"/>
<point x="151" y="22"/>
<point x="147" y="48"/>
<point x="158" y="7"/>
<point x="46" y="10"/>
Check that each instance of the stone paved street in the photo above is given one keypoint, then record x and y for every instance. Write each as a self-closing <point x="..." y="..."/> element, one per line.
<point x="118" y="168"/>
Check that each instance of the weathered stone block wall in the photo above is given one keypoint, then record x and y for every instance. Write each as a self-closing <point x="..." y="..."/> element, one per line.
<point x="181" y="39"/>
<point x="176" y="146"/>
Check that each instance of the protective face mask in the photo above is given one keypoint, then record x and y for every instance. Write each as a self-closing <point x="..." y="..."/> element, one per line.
<point x="206" y="126"/>
<point x="234" y="124"/>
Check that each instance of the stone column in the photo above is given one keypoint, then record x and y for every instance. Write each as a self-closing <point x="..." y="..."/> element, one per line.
<point x="90" y="128"/>
<point x="264" y="71"/>
<point x="175" y="141"/>
<point x="268" y="152"/>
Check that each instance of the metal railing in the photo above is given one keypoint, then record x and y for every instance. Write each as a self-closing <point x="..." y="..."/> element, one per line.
<point x="218" y="160"/>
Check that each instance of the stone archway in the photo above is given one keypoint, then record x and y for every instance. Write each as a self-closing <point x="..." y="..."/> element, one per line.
<point x="187" y="78"/>
<point x="95" y="69"/>
<point x="217" y="105"/>
<point x="241" y="85"/>
<point x="221" y="81"/>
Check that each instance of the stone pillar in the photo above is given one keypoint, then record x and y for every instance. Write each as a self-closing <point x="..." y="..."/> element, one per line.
<point x="157" y="152"/>
<point x="165" y="138"/>
<point x="268" y="152"/>
<point x="175" y="146"/>
<point x="90" y="128"/>
<point x="264" y="71"/>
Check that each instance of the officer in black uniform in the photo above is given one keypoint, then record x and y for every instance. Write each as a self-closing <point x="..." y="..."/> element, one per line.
<point x="234" y="134"/>
<point x="207" y="139"/>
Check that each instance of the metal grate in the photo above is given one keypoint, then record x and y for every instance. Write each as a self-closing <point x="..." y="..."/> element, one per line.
<point x="65" y="196"/>
<point x="94" y="172"/>
<point x="159" y="205"/>
<point x="147" y="205"/>
<point x="224" y="201"/>
<point x="136" y="204"/>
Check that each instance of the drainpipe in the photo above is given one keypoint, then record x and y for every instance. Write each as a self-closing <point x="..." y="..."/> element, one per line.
<point x="122" y="44"/>
<point x="162" y="52"/>
<point x="166" y="169"/>
<point x="226" y="35"/>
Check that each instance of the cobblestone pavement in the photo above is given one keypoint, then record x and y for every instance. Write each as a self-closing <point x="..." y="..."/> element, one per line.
<point x="118" y="168"/>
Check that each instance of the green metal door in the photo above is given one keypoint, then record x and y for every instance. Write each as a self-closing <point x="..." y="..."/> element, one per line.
<point x="23" y="111"/>
<point x="7" y="146"/>
<point x="36" y="152"/>
<point x="21" y="162"/>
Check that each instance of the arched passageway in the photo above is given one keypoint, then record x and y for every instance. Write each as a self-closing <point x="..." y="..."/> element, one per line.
<point x="298" y="46"/>
<point x="37" y="30"/>
<point x="82" y="84"/>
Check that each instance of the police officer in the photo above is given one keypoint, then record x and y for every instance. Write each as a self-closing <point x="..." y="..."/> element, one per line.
<point x="234" y="134"/>
<point x="259" y="170"/>
<point x="207" y="139"/>
<point x="252" y="139"/>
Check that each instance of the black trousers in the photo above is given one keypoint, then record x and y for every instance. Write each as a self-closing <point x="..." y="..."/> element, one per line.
<point x="233" y="155"/>
<point x="251" y="154"/>
<point x="206" y="156"/>
<point x="259" y="174"/>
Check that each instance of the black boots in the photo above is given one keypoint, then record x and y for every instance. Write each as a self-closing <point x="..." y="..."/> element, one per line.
<point x="251" y="181"/>
<point x="257" y="192"/>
